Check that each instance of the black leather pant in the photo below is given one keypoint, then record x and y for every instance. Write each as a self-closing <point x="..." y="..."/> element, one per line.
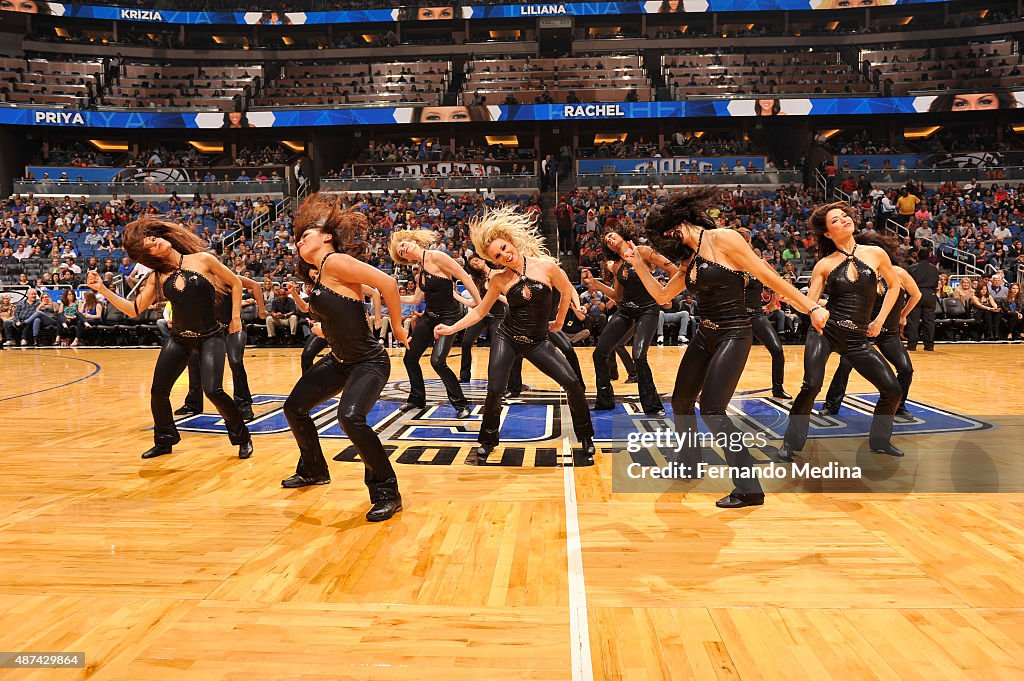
<point x="235" y="343"/>
<point x="711" y="368"/>
<point x="174" y="357"/>
<point x="547" y="358"/>
<point x="921" y="321"/>
<point x="618" y="327"/>
<point x="313" y="347"/>
<point x="623" y="356"/>
<point x="422" y="338"/>
<point x="891" y="347"/>
<point x="362" y="384"/>
<point x="765" y="332"/>
<point x="855" y="347"/>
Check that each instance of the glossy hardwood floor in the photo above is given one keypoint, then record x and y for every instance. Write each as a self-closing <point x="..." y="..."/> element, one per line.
<point x="200" y="566"/>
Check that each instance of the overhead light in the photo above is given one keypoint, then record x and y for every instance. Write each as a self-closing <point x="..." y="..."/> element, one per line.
<point x="921" y="133"/>
<point x="906" y="21"/>
<point x="832" y="25"/>
<point x="297" y="147"/>
<point x="207" y="147"/>
<point x="828" y="134"/>
<point x="287" y="41"/>
<point x="502" y="140"/>
<point x="109" y="145"/>
<point x="610" y="137"/>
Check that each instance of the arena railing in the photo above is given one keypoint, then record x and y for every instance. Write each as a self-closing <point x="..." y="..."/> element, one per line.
<point x="145" y="189"/>
<point x="937" y="175"/>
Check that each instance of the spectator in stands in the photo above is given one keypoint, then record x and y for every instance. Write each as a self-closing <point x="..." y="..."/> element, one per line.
<point x="987" y="313"/>
<point x="6" y="315"/>
<point x="282" y="313"/>
<point x="70" y="318"/>
<point x="45" y="316"/>
<point x="906" y="206"/>
<point x="1013" y="312"/>
<point x="19" y="328"/>
<point x="997" y="289"/>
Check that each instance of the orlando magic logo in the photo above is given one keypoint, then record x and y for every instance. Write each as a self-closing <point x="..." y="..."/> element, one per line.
<point x="533" y="426"/>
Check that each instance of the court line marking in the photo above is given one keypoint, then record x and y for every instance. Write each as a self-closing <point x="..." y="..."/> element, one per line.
<point x="96" y="370"/>
<point x="579" y="625"/>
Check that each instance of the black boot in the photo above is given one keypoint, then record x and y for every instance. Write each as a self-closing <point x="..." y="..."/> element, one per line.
<point x="885" y="448"/>
<point x="187" y="410"/>
<point x="386" y="500"/>
<point x="780" y="392"/>
<point x="478" y="455"/>
<point x="245" y="450"/>
<point x="247" y="413"/>
<point x="155" y="451"/>
<point x="302" y="481"/>
<point x="589" y="449"/>
<point x="781" y="454"/>
<point x="740" y="500"/>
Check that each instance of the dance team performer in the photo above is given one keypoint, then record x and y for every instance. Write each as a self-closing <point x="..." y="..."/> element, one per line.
<point x="435" y="284"/>
<point x="716" y="264"/>
<point x="315" y="344"/>
<point x="193" y="281"/>
<point x="235" y="343"/>
<point x="635" y="312"/>
<point x="763" y="329"/>
<point x="482" y="272"/>
<point x="330" y="240"/>
<point x="510" y="239"/>
<point x="888" y="341"/>
<point x="851" y="275"/>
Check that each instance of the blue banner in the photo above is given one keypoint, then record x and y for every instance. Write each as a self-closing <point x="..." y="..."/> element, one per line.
<point x="75" y="174"/>
<point x="440" y="12"/>
<point x="425" y="115"/>
<point x="676" y="164"/>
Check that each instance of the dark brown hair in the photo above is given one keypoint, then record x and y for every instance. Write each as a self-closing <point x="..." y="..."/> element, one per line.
<point x="818" y="226"/>
<point x="182" y="239"/>
<point x="686" y="207"/>
<point x="326" y="214"/>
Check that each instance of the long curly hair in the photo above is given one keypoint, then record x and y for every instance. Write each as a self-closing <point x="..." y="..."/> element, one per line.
<point x="887" y="242"/>
<point x="182" y="239"/>
<point x="627" y="229"/>
<point x="519" y="229"/>
<point x="424" y="238"/>
<point x="682" y="208"/>
<point x="818" y="225"/>
<point x="327" y="214"/>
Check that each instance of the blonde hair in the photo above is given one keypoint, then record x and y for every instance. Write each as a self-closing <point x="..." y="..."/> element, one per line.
<point x="423" y="237"/>
<point x="519" y="229"/>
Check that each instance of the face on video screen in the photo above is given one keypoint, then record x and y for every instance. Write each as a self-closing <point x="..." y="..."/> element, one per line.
<point x="435" y="13"/>
<point x="24" y="6"/>
<point x="451" y="114"/>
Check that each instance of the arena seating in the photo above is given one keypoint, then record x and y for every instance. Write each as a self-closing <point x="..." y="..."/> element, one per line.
<point x="377" y="84"/>
<point x="974" y="67"/>
<point x="608" y="78"/>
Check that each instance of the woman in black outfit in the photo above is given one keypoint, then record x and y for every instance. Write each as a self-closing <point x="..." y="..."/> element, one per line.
<point x="235" y="343"/>
<point x="314" y="344"/>
<point x="763" y="329"/>
<point x="482" y="273"/>
<point x="530" y="277"/>
<point x="851" y="274"/>
<point x="329" y="239"/>
<point x="888" y="341"/>
<point x="718" y="260"/>
<point x="635" y="312"/>
<point x="436" y="285"/>
<point x="193" y="281"/>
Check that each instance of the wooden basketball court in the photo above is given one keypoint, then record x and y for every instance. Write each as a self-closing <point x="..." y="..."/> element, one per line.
<point x="200" y="566"/>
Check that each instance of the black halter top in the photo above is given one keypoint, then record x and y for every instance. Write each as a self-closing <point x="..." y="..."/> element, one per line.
<point x="850" y="301"/>
<point x="892" y="321"/>
<point x="343" y="321"/>
<point x="438" y="292"/>
<point x="497" y="310"/>
<point x="194" y="305"/>
<point x="719" y="290"/>
<point x="529" y="309"/>
<point x="635" y="295"/>
<point x="752" y="297"/>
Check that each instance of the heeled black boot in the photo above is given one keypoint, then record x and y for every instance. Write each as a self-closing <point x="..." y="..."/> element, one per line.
<point x="245" y="450"/>
<point x="885" y="448"/>
<point x="780" y="392"/>
<point x="386" y="500"/>
<point x="589" y="449"/>
<point x="155" y="451"/>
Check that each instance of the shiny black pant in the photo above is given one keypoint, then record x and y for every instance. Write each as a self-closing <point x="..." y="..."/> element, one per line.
<point x="921" y="321"/>
<point x="422" y="338"/>
<point x="711" y="368"/>
<point x="362" y="384"/>
<point x="564" y="345"/>
<point x="235" y="343"/>
<point x="547" y="358"/>
<point x="313" y="347"/>
<point x="619" y="326"/>
<point x="174" y="357"/>
<point x="862" y="356"/>
<point x="623" y="354"/>
<point x="765" y="332"/>
<point x="891" y="347"/>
